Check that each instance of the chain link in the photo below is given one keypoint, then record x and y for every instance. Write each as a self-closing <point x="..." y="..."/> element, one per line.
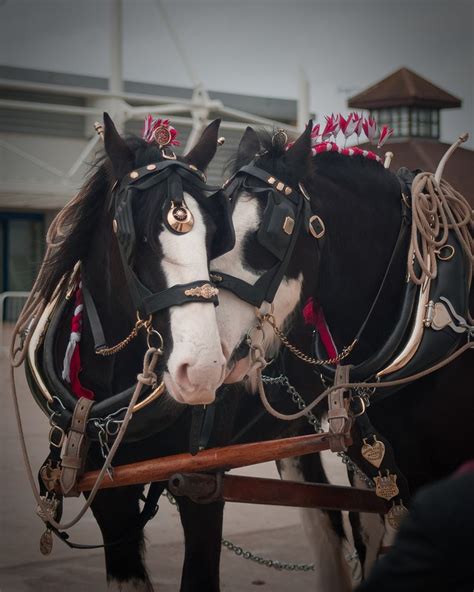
<point x="110" y="351"/>
<point x="350" y="464"/>
<point x="241" y="552"/>
<point x="316" y="424"/>
<point x="297" y="352"/>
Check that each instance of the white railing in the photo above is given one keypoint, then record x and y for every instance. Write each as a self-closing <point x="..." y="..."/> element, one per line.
<point x="11" y="304"/>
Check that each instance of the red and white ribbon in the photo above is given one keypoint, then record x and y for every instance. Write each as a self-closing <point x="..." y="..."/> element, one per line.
<point x="72" y="357"/>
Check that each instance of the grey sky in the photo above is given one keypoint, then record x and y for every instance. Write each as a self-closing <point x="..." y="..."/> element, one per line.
<point x="256" y="47"/>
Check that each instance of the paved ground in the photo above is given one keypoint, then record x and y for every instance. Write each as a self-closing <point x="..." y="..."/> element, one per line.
<point x="272" y="532"/>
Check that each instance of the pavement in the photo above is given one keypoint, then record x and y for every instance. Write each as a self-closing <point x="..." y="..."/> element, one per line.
<point x="272" y="532"/>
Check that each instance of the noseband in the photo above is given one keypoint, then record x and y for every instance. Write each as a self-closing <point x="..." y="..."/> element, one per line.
<point x="287" y="211"/>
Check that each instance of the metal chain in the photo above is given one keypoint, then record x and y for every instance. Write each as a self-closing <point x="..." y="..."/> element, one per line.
<point x="316" y="424"/>
<point x="280" y="565"/>
<point x="110" y="351"/>
<point x="297" y="352"/>
<point x="241" y="552"/>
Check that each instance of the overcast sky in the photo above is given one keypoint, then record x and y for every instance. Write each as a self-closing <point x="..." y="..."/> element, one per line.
<point x="256" y="47"/>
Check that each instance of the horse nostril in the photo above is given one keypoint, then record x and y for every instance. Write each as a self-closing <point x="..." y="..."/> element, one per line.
<point x="182" y="375"/>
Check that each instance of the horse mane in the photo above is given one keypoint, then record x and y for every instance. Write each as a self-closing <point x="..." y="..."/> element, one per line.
<point x="71" y="232"/>
<point x="337" y="167"/>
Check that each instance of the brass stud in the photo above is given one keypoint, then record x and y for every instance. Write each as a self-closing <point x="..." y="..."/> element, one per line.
<point x="193" y="167"/>
<point x="288" y="190"/>
<point x="134" y="175"/>
<point x="271" y="180"/>
<point x="151" y="167"/>
<point x="221" y="141"/>
<point x="280" y="186"/>
<point x="288" y="225"/>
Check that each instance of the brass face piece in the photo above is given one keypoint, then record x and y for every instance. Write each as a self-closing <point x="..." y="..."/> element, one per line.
<point x="180" y="218"/>
<point x="162" y="136"/>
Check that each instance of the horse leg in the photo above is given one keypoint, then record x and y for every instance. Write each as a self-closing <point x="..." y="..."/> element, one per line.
<point x="202" y="525"/>
<point x="323" y="529"/>
<point x="118" y="515"/>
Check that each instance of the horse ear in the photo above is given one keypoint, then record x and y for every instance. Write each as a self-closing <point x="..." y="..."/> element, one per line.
<point x="205" y="149"/>
<point x="249" y="145"/>
<point x="299" y="155"/>
<point x="119" y="153"/>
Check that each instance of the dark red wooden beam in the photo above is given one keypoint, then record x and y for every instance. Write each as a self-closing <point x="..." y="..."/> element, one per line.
<point x="228" y="457"/>
<point x="273" y="492"/>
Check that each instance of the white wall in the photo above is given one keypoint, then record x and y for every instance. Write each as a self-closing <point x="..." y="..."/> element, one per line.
<point x="256" y="46"/>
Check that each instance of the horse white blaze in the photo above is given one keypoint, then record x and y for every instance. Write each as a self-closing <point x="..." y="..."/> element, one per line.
<point x="235" y="317"/>
<point x="196" y="366"/>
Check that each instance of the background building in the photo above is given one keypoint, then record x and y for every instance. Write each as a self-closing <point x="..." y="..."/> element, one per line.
<point x="413" y="106"/>
<point x="265" y="62"/>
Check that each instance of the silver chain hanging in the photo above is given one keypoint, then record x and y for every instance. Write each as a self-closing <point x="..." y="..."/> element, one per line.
<point x="316" y="424"/>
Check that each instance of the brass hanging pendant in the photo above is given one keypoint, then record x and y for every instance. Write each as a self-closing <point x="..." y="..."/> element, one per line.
<point x="180" y="218"/>
<point x="396" y="514"/>
<point x="46" y="542"/>
<point x="386" y="486"/>
<point x="373" y="453"/>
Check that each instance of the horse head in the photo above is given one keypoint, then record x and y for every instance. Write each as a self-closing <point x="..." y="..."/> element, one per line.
<point x="271" y="255"/>
<point x="144" y="230"/>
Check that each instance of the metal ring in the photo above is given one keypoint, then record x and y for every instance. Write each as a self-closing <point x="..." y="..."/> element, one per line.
<point x="450" y="255"/>
<point x="150" y="332"/>
<point x="363" y="406"/>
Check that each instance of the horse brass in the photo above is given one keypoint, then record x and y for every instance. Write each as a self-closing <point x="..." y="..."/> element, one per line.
<point x="386" y="486"/>
<point x="373" y="453"/>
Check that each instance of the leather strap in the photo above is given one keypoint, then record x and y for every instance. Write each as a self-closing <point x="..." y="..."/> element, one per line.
<point x="75" y="449"/>
<point x="338" y="417"/>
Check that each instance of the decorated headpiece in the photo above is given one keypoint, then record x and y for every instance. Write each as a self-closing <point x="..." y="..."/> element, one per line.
<point x="354" y="123"/>
<point x="159" y="131"/>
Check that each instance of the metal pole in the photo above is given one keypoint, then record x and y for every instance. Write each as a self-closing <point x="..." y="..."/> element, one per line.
<point x="303" y="100"/>
<point x="116" y="56"/>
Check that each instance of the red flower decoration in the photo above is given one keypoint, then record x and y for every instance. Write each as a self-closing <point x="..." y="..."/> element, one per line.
<point x="385" y="134"/>
<point x="159" y="131"/>
<point x="370" y="128"/>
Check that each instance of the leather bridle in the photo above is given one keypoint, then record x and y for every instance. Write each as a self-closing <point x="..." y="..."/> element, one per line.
<point x="173" y="172"/>
<point x="287" y="211"/>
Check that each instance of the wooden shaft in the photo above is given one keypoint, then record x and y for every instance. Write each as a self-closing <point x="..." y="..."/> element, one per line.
<point x="272" y="492"/>
<point x="228" y="457"/>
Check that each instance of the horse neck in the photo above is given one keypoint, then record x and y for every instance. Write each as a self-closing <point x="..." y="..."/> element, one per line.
<point x="102" y="273"/>
<point x="362" y="223"/>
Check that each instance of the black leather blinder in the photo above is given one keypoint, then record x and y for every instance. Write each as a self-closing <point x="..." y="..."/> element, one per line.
<point x="277" y="225"/>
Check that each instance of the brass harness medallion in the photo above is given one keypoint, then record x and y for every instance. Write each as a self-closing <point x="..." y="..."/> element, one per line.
<point x="205" y="291"/>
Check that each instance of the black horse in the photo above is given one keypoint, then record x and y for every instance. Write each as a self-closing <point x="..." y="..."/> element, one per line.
<point x="359" y="205"/>
<point x="126" y="230"/>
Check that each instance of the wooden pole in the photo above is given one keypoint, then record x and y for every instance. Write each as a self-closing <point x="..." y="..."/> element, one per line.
<point x="228" y="457"/>
<point x="272" y="492"/>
